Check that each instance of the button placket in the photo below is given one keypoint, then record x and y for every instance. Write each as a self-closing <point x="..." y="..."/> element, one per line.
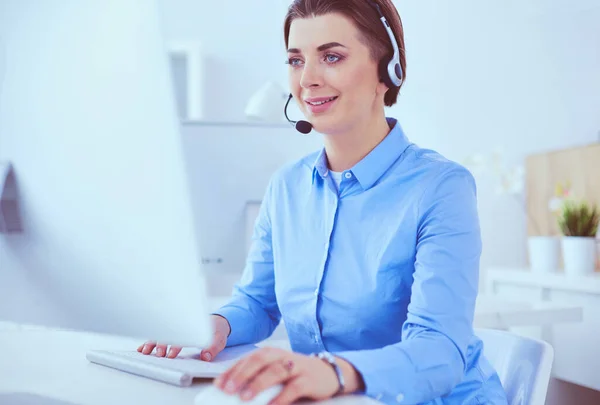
<point x="332" y="204"/>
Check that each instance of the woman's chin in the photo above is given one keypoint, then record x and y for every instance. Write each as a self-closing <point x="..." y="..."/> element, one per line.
<point x="325" y="124"/>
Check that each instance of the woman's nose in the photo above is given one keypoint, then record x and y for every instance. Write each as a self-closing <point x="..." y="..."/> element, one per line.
<point x="311" y="76"/>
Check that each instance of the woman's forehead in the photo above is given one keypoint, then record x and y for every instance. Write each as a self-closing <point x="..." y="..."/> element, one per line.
<point x="307" y="34"/>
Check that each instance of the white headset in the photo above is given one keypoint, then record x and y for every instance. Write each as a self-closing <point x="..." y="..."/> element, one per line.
<point x="390" y="72"/>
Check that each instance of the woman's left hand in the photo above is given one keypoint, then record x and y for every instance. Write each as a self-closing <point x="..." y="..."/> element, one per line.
<point x="301" y="376"/>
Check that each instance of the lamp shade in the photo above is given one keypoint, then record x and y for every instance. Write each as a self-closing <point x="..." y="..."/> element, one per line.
<point x="267" y="103"/>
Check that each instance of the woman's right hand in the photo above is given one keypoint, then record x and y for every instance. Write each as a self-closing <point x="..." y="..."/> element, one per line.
<point x="221" y="332"/>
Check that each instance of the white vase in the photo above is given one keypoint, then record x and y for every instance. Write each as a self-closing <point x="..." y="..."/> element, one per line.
<point x="598" y="251"/>
<point x="543" y="253"/>
<point x="579" y="255"/>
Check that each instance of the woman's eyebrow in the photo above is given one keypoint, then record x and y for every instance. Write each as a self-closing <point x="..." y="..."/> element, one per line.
<point x="320" y="48"/>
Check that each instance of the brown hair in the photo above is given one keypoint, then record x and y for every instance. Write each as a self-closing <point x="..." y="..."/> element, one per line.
<point x="367" y="20"/>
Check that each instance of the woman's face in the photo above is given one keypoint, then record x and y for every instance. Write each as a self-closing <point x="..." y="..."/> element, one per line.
<point x="332" y="76"/>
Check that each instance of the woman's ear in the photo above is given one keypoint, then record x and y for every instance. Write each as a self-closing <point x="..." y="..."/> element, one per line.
<point x="381" y="89"/>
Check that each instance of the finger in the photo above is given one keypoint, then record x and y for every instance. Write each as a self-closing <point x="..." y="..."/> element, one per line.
<point x="292" y="391"/>
<point x="275" y="373"/>
<point x="217" y="346"/>
<point x="161" y="350"/>
<point x="148" y="347"/>
<point x="223" y="380"/>
<point x="141" y="347"/>
<point x="243" y="371"/>
<point x="174" y="352"/>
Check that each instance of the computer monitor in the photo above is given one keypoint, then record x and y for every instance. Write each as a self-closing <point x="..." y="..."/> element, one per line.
<point x="89" y="123"/>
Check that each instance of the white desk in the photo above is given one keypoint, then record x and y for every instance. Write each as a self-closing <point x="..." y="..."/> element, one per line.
<point x="52" y="364"/>
<point x="576" y="345"/>
<point x="496" y="312"/>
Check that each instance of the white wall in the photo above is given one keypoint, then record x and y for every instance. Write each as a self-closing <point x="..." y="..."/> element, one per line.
<point x="242" y="43"/>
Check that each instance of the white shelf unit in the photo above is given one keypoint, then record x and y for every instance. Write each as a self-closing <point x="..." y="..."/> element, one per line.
<point x="577" y="344"/>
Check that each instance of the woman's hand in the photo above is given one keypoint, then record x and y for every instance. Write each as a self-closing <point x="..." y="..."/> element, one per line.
<point x="219" y="340"/>
<point x="302" y="376"/>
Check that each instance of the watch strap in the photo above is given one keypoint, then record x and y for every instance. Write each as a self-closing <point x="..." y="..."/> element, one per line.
<point x="330" y="359"/>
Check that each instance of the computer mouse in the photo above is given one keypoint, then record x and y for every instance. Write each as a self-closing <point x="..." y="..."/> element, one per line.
<point x="214" y="396"/>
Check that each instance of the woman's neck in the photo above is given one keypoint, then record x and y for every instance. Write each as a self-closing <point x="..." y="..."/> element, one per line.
<point x="345" y="149"/>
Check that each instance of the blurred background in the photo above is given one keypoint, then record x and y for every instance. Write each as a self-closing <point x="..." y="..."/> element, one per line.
<point x="510" y="89"/>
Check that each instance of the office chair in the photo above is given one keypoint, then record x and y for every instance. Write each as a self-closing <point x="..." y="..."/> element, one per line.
<point x="523" y="364"/>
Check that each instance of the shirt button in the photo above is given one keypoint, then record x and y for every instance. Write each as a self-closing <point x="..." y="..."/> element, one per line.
<point x="316" y="292"/>
<point x="400" y="398"/>
<point x="348" y="175"/>
<point x="316" y="339"/>
<point x="325" y="174"/>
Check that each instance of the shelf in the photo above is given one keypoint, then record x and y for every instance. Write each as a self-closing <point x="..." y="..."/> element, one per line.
<point x="557" y="280"/>
<point x="497" y="313"/>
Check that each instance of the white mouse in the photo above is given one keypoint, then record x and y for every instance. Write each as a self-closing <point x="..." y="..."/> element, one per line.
<point x="214" y="396"/>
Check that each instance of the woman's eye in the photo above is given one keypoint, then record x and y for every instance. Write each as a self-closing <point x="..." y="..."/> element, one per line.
<point x="332" y="58"/>
<point x="293" y="61"/>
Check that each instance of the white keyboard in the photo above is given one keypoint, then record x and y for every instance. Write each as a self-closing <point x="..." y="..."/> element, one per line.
<point x="179" y="371"/>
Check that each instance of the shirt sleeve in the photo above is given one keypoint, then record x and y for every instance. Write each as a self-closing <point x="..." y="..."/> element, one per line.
<point x="430" y="360"/>
<point x="252" y="312"/>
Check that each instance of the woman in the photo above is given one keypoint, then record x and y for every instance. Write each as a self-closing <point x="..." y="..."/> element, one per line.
<point x="369" y="250"/>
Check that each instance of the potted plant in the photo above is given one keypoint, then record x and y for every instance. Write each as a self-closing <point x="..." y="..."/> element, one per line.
<point x="578" y="222"/>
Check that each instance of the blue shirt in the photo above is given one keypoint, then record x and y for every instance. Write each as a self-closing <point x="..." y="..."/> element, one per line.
<point x="383" y="272"/>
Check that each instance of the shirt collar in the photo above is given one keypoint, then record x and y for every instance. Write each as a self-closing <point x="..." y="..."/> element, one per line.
<point x="368" y="170"/>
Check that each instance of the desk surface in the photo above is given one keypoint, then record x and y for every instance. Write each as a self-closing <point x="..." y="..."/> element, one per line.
<point x="52" y="363"/>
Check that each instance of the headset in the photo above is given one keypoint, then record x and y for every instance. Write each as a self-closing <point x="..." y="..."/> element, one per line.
<point x="390" y="71"/>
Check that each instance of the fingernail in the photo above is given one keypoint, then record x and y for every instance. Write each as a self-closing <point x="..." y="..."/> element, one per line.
<point x="246" y="394"/>
<point x="159" y="352"/>
<point x="206" y="356"/>
<point x="230" y="387"/>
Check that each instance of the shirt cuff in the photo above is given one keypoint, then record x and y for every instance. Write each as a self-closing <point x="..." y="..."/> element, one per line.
<point x="376" y="373"/>
<point x="241" y="328"/>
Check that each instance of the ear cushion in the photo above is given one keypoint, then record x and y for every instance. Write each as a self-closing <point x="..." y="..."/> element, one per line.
<point x="383" y="73"/>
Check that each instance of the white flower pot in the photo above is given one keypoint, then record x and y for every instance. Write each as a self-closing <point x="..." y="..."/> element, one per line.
<point x="579" y="255"/>
<point x="544" y="253"/>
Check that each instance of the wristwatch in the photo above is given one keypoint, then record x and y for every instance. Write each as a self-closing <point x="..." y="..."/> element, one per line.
<point x="328" y="357"/>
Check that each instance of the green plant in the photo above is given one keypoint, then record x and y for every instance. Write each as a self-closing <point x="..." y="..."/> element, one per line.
<point x="578" y="218"/>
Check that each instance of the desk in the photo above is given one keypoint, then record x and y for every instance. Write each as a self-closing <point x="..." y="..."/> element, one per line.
<point x="576" y="347"/>
<point x="52" y="363"/>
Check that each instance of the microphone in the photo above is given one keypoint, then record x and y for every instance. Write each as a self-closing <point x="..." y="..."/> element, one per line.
<point x="301" y="126"/>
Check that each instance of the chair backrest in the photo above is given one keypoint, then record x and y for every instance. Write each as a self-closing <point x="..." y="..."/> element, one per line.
<point x="524" y="364"/>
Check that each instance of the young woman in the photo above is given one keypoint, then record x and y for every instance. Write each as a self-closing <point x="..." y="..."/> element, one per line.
<point x="369" y="249"/>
